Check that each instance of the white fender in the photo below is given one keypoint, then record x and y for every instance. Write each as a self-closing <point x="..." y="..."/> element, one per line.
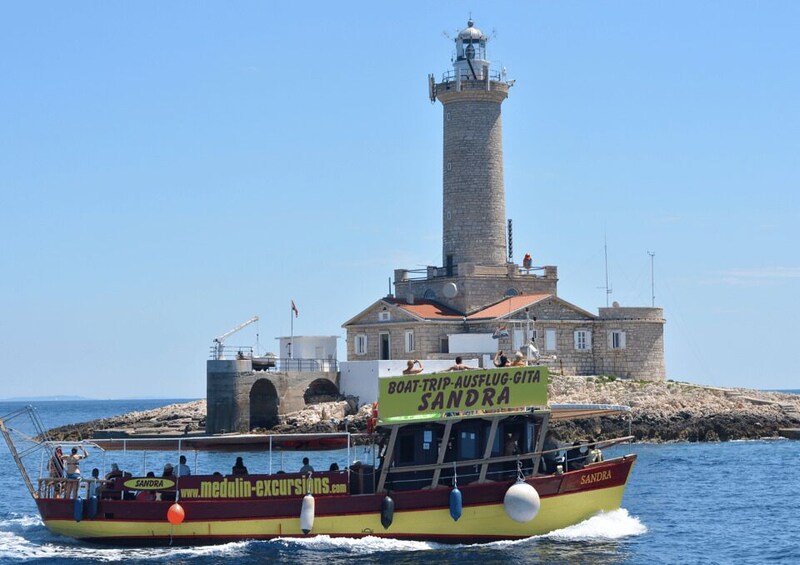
<point x="307" y="514"/>
<point x="521" y="502"/>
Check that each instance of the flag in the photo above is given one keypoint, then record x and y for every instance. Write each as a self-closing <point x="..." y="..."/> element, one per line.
<point x="294" y="309"/>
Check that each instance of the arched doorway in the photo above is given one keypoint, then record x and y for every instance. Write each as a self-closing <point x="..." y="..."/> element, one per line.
<point x="321" y="390"/>
<point x="263" y="404"/>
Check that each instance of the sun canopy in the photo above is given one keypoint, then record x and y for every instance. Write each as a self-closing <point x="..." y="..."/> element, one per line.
<point x="233" y="442"/>
<point x="577" y="411"/>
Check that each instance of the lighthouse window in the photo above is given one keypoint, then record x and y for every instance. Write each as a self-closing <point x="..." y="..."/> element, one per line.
<point x="583" y="340"/>
<point x="409" y="341"/>
<point x="449" y="166"/>
<point x="616" y="339"/>
<point x="361" y="344"/>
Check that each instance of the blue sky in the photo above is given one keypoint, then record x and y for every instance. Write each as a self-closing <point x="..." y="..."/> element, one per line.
<point x="168" y="170"/>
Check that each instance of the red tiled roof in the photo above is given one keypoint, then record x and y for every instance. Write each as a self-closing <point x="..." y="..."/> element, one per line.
<point x="427" y="309"/>
<point x="508" y="305"/>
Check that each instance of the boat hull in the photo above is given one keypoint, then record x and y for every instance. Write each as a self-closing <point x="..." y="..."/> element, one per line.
<point x="419" y="515"/>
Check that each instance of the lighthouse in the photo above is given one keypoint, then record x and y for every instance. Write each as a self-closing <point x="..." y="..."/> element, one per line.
<point x="473" y="214"/>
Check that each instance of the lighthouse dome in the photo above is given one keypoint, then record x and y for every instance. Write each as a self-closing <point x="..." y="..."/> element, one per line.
<point x="471" y="32"/>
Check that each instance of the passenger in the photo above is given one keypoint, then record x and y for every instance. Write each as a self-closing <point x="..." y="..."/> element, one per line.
<point x="512" y="444"/>
<point x="551" y="455"/>
<point x="500" y="360"/>
<point x="113" y="473"/>
<point x="519" y="360"/>
<point x="459" y="366"/>
<point x="594" y="455"/>
<point x="334" y="467"/>
<point x="182" y="470"/>
<point x="306" y="468"/>
<point x="147" y="495"/>
<point x="410" y="370"/>
<point x="97" y="483"/>
<point x="239" y="468"/>
<point x="55" y="468"/>
<point x="168" y="472"/>
<point x="217" y="474"/>
<point x="576" y="459"/>
<point x="71" y="462"/>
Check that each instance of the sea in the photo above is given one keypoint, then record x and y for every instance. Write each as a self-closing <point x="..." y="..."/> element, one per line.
<point x="732" y="502"/>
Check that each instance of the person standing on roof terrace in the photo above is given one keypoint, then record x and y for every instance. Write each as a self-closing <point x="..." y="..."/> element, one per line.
<point x="500" y="360"/>
<point x="459" y="366"/>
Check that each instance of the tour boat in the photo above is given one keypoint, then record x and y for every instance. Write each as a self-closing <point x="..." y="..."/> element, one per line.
<point x="458" y="457"/>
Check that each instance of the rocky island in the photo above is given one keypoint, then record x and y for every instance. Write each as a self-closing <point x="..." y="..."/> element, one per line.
<point x="661" y="412"/>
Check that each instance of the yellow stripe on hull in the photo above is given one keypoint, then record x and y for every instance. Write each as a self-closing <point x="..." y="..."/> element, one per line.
<point x="487" y="521"/>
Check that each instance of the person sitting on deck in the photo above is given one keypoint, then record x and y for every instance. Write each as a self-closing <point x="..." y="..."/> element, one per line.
<point x="551" y="456"/>
<point x="147" y="495"/>
<point x="182" y="470"/>
<point x="306" y="468"/>
<point x="239" y="468"/>
<point x="113" y="473"/>
<point x="459" y="366"/>
<point x="410" y="370"/>
<point x="594" y="455"/>
<point x="576" y="459"/>
<point x="334" y="467"/>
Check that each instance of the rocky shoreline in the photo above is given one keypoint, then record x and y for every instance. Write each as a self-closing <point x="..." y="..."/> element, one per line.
<point x="661" y="412"/>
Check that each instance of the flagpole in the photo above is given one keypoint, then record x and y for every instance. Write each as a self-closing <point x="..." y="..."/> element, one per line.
<point x="291" y="339"/>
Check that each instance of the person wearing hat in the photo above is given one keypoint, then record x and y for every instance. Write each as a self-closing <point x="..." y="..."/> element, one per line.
<point x="168" y="471"/>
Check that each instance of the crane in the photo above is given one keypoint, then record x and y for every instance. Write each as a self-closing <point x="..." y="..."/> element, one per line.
<point x="219" y="341"/>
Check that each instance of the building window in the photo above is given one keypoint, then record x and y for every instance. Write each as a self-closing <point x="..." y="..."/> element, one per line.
<point x="549" y="340"/>
<point x="616" y="339"/>
<point x="409" y="341"/>
<point x="444" y="345"/>
<point x="361" y="344"/>
<point x="583" y="340"/>
<point x="384" y="316"/>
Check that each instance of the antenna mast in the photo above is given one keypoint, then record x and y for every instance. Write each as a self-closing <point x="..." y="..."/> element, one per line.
<point x="605" y="254"/>
<point x="652" y="278"/>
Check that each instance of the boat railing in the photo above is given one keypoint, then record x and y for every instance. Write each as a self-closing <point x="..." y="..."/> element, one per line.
<point x="519" y="464"/>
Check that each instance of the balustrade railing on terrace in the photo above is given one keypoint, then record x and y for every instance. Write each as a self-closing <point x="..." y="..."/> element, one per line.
<point x="272" y="363"/>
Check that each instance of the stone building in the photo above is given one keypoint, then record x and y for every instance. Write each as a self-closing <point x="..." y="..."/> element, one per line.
<point x="478" y="301"/>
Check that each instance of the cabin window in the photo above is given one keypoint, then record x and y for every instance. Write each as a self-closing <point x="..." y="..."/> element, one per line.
<point x="409" y="341"/>
<point x="583" y="340"/>
<point x="361" y="344"/>
<point x="550" y="340"/>
<point x="616" y="339"/>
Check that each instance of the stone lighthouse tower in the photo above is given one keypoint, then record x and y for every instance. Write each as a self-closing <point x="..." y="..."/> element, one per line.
<point x="474" y="194"/>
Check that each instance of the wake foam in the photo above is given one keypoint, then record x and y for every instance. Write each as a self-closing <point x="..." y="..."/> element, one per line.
<point x="612" y="525"/>
<point x="365" y="545"/>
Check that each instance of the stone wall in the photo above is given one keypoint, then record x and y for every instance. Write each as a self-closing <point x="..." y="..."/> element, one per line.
<point x="228" y="387"/>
